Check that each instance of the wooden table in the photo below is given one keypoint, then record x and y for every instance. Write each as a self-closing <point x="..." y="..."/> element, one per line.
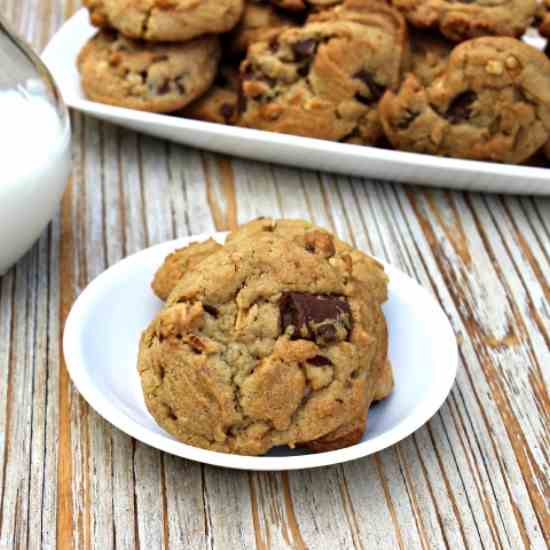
<point x="477" y="476"/>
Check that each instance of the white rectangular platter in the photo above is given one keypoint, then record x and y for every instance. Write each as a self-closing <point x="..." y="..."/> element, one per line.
<point x="370" y="162"/>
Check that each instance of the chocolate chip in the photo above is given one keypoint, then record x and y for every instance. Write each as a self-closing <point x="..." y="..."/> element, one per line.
<point x="227" y="111"/>
<point x="211" y="310"/>
<point x="318" y="317"/>
<point x="376" y="90"/>
<point x="164" y="88"/>
<point x="460" y="109"/>
<point x="304" y="49"/>
<point x="319" y="361"/>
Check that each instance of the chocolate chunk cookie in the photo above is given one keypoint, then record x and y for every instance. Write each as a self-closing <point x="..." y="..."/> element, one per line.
<point x="429" y="55"/>
<point x="261" y="21"/>
<point x="492" y="103"/>
<point x="148" y="77"/>
<point x="166" y="20"/>
<point x="267" y="342"/>
<point x="461" y="20"/>
<point x="324" y="80"/>
<point x="221" y="103"/>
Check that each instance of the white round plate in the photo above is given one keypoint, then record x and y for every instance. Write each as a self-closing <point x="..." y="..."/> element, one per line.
<point x="101" y="340"/>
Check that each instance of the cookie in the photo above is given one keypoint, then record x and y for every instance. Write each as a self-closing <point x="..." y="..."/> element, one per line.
<point x="148" y="77"/>
<point x="429" y="55"/>
<point x="166" y="20"/>
<point x="307" y="82"/>
<point x="221" y="103"/>
<point x="178" y="263"/>
<point x="260" y="22"/>
<point x="266" y="342"/>
<point x="463" y="20"/>
<point x="492" y="103"/>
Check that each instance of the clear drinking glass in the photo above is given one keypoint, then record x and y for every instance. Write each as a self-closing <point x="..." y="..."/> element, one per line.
<point x="34" y="147"/>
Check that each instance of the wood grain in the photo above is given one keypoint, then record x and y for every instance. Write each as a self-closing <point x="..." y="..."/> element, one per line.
<point x="476" y="476"/>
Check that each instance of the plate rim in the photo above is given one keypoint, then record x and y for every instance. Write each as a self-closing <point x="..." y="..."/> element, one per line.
<point x="74" y="363"/>
<point x="404" y="160"/>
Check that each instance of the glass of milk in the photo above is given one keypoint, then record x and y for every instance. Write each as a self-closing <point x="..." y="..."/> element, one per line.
<point x="34" y="147"/>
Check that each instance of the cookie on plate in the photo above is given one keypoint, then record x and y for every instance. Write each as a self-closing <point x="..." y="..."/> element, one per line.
<point x="429" y="55"/>
<point x="260" y="22"/>
<point x="166" y="20"/>
<point x="220" y="103"/>
<point x="492" y="103"/>
<point x="144" y="76"/>
<point x="266" y="342"/>
<point x="470" y="19"/>
<point x="306" y="81"/>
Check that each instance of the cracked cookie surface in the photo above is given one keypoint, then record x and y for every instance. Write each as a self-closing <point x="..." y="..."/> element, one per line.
<point x="306" y="82"/>
<point x="149" y="77"/>
<point x="491" y="103"/>
<point x="166" y="20"/>
<point x="461" y="20"/>
<point x="267" y="342"/>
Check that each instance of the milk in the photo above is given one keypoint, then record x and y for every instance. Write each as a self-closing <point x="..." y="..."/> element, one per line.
<point x="34" y="167"/>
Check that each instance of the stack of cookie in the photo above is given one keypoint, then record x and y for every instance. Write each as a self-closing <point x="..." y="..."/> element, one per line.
<point x="431" y="76"/>
<point x="275" y="338"/>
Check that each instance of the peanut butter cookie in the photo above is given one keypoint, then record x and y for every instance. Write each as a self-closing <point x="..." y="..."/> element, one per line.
<point x="464" y="19"/>
<point x="144" y="76"/>
<point x="491" y="103"/>
<point x="267" y="342"/>
<point x="325" y="79"/>
<point x="166" y="20"/>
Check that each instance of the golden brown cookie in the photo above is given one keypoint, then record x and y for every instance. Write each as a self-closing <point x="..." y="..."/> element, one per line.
<point x="491" y="103"/>
<point x="307" y="82"/>
<point x="266" y="342"/>
<point x="144" y="76"/>
<point x="461" y="20"/>
<point x="300" y="5"/>
<point x="220" y="104"/>
<point x="261" y="21"/>
<point x="166" y="20"/>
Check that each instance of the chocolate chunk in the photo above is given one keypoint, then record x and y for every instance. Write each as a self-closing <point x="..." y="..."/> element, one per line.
<point x="376" y="90"/>
<point x="319" y="361"/>
<point x="211" y="310"/>
<point x="304" y="49"/>
<point x="460" y="109"/>
<point x="164" y="88"/>
<point x="317" y="317"/>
